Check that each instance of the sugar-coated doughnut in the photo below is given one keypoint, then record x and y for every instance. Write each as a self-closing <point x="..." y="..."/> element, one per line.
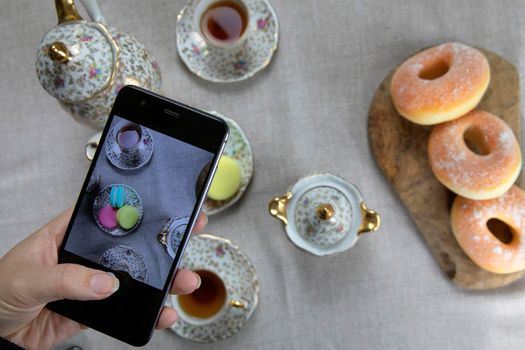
<point x="469" y="174"/>
<point x="469" y="219"/>
<point x="440" y="84"/>
<point x="127" y="217"/>
<point x="117" y="196"/>
<point x="108" y="217"/>
<point x="227" y="179"/>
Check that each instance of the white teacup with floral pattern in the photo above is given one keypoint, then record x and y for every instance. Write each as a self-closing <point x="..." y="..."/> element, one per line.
<point x="209" y="302"/>
<point x="202" y="7"/>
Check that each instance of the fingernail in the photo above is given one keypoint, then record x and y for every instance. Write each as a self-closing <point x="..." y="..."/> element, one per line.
<point x="205" y="218"/>
<point x="102" y="283"/>
<point x="198" y="284"/>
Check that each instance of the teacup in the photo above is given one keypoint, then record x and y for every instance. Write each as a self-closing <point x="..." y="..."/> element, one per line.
<point x="128" y="137"/>
<point x="223" y="24"/>
<point x="209" y="302"/>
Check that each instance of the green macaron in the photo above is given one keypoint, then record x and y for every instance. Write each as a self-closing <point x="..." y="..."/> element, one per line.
<point x="127" y="217"/>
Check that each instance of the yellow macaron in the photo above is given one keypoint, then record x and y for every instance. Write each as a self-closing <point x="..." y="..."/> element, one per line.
<point x="227" y="179"/>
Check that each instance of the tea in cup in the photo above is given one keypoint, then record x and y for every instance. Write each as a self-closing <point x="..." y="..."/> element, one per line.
<point x="208" y="302"/>
<point x="128" y="137"/>
<point x="222" y="23"/>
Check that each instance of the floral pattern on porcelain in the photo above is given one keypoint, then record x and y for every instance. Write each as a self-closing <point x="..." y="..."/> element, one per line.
<point x="237" y="147"/>
<point x="219" y="65"/>
<point x="323" y="232"/>
<point x="220" y="256"/>
<point x="135" y="66"/>
<point x="124" y="258"/>
<point x="89" y="68"/>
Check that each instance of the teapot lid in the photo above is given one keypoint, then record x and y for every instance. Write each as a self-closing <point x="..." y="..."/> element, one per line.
<point x="324" y="214"/>
<point x="76" y="60"/>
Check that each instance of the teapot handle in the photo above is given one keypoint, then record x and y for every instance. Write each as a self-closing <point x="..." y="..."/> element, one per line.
<point x="93" y="10"/>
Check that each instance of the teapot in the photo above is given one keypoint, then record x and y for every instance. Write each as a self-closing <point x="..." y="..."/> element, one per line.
<point x="84" y="64"/>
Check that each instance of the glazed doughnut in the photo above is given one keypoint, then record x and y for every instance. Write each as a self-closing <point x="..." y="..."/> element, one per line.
<point x="440" y="84"/>
<point x="487" y="169"/>
<point x="470" y="224"/>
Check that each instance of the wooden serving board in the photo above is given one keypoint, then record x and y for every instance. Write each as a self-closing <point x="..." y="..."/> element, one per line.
<point x="400" y="148"/>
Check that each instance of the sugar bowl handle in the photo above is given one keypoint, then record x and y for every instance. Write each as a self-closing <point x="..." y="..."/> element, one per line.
<point x="370" y="221"/>
<point x="277" y="207"/>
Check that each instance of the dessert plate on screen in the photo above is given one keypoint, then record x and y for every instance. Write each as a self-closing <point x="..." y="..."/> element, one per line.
<point x="220" y="256"/>
<point x="102" y="200"/>
<point x="172" y="233"/>
<point x="127" y="259"/>
<point x="238" y="148"/>
<point x="125" y="161"/>
<point x="224" y="66"/>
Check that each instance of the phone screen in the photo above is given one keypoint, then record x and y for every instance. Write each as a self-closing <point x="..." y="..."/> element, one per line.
<point x="136" y="206"/>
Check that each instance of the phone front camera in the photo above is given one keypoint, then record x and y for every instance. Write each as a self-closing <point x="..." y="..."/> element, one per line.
<point x="143" y="103"/>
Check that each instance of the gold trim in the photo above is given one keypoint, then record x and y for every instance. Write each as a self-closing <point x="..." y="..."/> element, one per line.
<point x="370" y="220"/>
<point x="66" y="11"/>
<point x="237" y="304"/>
<point x="325" y="211"/>
<point x="277" y="207"/>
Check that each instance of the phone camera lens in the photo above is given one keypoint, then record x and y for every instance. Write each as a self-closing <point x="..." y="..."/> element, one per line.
<point x="143" y="103"/>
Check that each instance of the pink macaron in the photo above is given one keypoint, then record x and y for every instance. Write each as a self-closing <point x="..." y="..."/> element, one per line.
<point x="108" y="217"/>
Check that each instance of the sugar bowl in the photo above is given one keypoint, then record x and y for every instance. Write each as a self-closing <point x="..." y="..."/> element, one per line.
<point x="324" y="214"/>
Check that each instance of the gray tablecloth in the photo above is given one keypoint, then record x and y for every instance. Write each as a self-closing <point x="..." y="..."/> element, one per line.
<point x="306" y="112"/>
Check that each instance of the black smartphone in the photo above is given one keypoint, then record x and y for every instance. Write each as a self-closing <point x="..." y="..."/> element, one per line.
<point x="138" y="205"/>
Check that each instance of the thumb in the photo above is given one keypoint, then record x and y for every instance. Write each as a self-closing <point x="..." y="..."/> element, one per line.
<point x="69" y="281"/>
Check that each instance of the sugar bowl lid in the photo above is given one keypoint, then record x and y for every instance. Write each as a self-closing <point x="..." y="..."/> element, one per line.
<point x="324" y="214"/>
<point x="76" y="59"/>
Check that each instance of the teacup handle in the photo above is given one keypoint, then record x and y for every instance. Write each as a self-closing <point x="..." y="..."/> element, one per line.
<point x="370" y="221"/>
<point x="238" y="305"/>
<point x="91" y="146"/>
<point x="93" y="10"/>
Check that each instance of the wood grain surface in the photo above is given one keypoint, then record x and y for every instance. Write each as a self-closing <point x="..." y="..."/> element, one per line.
<point x="400" y="148"/>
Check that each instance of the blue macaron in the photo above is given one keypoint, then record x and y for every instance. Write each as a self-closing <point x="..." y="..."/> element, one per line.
<point x="117" y="197"/>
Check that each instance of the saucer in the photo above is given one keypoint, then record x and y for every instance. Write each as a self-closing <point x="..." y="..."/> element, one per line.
<point x="172" y="233"/>
<point x="102" y="200"/>
<point x="220" y="256"/>
<point x="223" y="66"/>
<point x="237" y="147"/>
<point x="124" y="258"/>
<point x="125" y="161"/>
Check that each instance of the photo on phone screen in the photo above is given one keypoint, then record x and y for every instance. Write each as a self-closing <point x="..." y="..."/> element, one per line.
<point x="138" y="202"/>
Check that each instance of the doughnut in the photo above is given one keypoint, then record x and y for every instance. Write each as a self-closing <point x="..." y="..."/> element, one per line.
<point x="471" y="220"/>
<point x="227" y="179"/>
<point x="440" y="84"/>
<point x="476" y="156"/>
<point x="127" y="217"/>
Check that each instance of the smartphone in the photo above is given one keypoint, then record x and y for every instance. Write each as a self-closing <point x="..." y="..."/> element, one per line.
<point x="138" y="204"/>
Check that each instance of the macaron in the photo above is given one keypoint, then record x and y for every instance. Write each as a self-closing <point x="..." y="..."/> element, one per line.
<point x="117" y="196"/>
<point x="108" y="217"/>
<point x="127" y="217"/>
<point x="227" y="179"/>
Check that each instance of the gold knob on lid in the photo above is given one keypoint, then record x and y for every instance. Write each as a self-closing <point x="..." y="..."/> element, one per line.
<point x="325" y="212"/>
<point x="59" y="52"/>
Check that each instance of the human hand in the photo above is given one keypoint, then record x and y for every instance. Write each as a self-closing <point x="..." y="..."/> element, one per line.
<point x="30" y="277"/>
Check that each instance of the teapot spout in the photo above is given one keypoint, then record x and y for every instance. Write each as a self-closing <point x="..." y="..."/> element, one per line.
<point x="66" y="11"/>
